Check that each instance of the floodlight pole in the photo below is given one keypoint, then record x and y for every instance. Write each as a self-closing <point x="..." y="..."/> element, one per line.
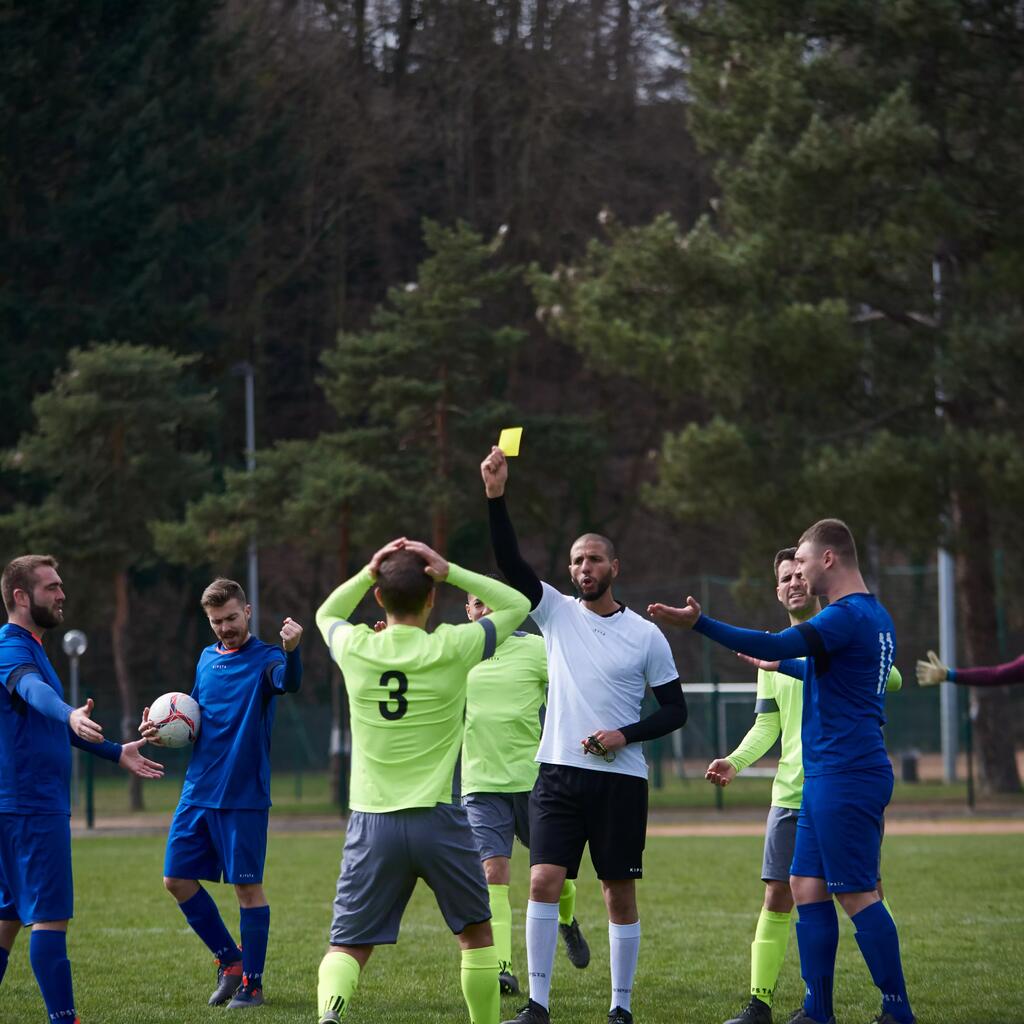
<point x="948" y="705"/>
<point x="253" y="583"/>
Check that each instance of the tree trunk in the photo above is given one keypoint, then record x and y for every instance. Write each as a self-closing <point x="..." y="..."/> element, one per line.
<point x="990" y="707"/>
<point x="440" y="525"/>
<point x="125" y="688"/>
<point x="406" y="26"/>
<point x="335" y="765"/>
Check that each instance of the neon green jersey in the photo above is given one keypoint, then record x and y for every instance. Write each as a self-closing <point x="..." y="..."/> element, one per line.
<point x="503" y="705"/>
<point x="407" y="690"/>
<point x="779" y="710"/>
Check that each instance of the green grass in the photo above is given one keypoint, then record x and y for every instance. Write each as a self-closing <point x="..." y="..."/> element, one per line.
<point x="309" y="793"/>
<point x="956" y="898"/>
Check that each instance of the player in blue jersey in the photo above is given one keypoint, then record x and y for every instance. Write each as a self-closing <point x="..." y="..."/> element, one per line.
<point x="848" y="780"/>
<point x="35" y="773"/>
<point x="220" y="827"/>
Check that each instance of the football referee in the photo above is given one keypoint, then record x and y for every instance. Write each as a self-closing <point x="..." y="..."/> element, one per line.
<point x="592" y="783"/>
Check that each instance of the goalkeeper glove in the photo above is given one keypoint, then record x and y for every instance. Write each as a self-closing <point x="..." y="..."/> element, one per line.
<point x="932" y="671"/>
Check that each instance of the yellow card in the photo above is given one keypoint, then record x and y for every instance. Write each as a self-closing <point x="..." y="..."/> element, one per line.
<point x="510" y="440"/>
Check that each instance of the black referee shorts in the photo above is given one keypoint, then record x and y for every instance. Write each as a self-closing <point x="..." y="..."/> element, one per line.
<point x="570" y="807"/>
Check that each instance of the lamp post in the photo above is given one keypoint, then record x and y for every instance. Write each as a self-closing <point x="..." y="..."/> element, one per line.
<point x="246" y="371"/>
<point x="75" y="644"/>
<point x="948" y="708"/>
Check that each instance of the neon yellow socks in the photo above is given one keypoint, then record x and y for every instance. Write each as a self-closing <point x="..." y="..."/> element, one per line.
<point x="501" y="925"/>
<point x="338" y="977"/>
<point x="567" y="902"/>
<point x="767" y="952"/>
<point x="480" y="985"/>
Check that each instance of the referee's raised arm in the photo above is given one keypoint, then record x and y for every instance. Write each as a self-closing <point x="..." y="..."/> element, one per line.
<point x="511" y="564"/>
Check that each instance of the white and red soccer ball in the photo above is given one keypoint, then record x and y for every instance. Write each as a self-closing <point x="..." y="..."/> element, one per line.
<point x="176" y="717"/>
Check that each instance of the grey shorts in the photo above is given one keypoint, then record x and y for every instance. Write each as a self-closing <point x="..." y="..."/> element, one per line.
<point x="780" y="841"/>
<point x="496" y="819"/>
<point x="385" y="854"/>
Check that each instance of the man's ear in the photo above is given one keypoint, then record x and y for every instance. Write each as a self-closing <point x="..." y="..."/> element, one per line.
<point x="378" y="598"/>
<point x="430" y="598"/>
<point x="615" y="567"/>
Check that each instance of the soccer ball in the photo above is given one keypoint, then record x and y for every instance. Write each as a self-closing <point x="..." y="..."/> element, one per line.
<point x="176" y="717"/>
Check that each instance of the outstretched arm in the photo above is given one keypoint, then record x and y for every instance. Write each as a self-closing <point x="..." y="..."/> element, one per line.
<point x="934" y="671"/>
<point x="35" y="692"/>
<point x="518" y="572"/>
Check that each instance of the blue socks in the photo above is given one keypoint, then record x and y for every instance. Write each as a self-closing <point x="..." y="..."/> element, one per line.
<point x="48" y="954"/>
<point x="817" y="935"/>
<point x="255" y="922"/>
<point x="4" y="957"/>
<point x="876" y="935"/>
<point x="202" y="914"/>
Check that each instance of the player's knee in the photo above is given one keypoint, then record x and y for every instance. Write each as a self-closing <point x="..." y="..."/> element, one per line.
<point x="496" y="870"/>
<point x="778" y="897"/>
<point x="546" y="882"/>
<point x="250" y="895"/>
<point x="180" y="888"/>
<point x="620" y="901"/>
<point x="476" y="936"/>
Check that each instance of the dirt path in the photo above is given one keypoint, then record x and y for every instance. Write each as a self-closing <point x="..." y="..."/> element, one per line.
<point x="933" y="827"/>
<point x="156" y="824"/>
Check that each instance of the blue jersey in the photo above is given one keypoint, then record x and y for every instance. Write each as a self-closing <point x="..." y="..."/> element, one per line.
<point x="851" y="646"/>
<point x="35" y="751"/>
<point x="235" y="690"/>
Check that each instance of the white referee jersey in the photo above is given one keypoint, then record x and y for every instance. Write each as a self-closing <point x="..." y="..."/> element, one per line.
<point x="598" y="668"/>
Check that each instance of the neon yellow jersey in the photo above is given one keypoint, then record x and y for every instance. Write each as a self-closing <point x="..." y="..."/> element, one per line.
<point x="779" y="709"/>
<point x="407" y="691"/>
<point x="506" y="692"/>
<point x="787" y="695"/>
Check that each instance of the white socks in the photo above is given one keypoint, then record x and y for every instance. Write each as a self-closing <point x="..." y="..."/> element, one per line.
<point x="624" y="947"/>
<point x="541" y="939"/>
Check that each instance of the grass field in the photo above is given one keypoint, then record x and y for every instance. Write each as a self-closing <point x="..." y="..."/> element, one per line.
<point x="957" y="899"/>
<point x="309" y="794"/>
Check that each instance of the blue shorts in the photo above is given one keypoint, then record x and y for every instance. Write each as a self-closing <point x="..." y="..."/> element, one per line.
<point x="35" y="868"/>
<point x="208" y="844"/>
<point x="839" y="834"/>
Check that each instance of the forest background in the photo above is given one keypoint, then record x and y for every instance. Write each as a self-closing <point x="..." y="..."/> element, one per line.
<point x="733" y="265"/>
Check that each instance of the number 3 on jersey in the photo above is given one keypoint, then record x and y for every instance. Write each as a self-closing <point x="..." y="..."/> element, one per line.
<point x="400" y="682"/>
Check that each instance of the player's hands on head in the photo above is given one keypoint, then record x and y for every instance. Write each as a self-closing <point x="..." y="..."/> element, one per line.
<point x="494" y="470"/>
<point x="291" y="634"/>
<point x="931" y="672"/>
<point x="82" y="725"/>
<point x="134" y="762"/>
<point x="149" y="731"/>
<point x="685" y="617"/>
<point x="720" y="772"/>
<point x="766" y="666"/>
<point x="389" y="549"/>
<point x="437" y="565"/>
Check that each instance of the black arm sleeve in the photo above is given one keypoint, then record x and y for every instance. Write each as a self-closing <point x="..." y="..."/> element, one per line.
<point x="516" y="571"/>
<point x="671" y="715"/>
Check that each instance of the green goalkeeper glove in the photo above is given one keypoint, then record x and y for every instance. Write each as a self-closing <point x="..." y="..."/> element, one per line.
<point x="931" y="672"/>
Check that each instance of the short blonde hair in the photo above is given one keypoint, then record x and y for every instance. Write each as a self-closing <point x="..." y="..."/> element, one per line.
<point x="835" y="535"/>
